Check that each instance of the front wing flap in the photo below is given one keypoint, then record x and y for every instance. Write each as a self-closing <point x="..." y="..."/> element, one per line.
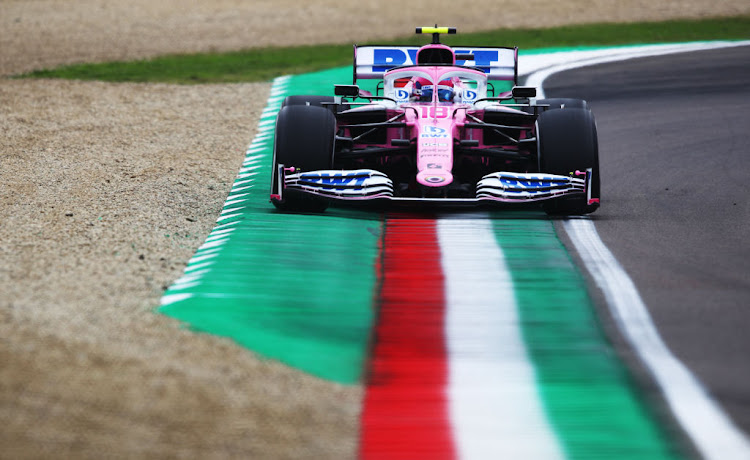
<point x="518" y="187"/>
<point x="359" y="184"/>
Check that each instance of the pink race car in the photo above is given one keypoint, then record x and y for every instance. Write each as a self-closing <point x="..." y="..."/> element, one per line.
<point x="435" y="132"/>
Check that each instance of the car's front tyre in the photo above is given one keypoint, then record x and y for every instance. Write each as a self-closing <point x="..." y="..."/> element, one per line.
<point x="305" y="136"/>
<point x="567" y="142"/>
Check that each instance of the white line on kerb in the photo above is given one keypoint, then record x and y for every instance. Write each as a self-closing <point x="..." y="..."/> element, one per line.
<point x="494" y="404"/>
<point x="713" y="432"/>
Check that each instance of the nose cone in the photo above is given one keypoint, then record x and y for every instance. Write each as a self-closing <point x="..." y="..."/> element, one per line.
<point x="434" y="177"/>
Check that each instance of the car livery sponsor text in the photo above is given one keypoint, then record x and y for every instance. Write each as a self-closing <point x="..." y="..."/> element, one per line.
<point x="385" y="58"/>
<point x="335" y="180"/>
<point x="374" y="61"/>
<point x="434" y="132"/>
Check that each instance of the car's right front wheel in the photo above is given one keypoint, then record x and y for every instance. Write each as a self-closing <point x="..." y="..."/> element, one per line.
<point x="305" y="136"/>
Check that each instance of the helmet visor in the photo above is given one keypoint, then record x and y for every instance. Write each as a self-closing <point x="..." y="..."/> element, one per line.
<point x="445" y="93"/>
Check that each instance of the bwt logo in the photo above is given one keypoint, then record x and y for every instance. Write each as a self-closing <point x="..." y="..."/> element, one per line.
<point x="526" y="184"/>
<point x="482" y="58"/>
<point x="434" y="132"/>
<point x="402" y="95"/>
<point x="470" y="95"/>
<point x="335" y="180"/>
<point x="387" y="58"/>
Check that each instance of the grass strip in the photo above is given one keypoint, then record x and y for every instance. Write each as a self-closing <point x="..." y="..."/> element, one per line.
<point x="262" y="64"/>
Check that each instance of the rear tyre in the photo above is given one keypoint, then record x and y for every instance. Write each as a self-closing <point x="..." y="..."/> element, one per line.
<point x="305" y="138"/>
<point x="568" y="142"/>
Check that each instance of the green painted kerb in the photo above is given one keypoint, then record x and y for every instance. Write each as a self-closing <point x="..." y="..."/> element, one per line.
<point x="291" y="287"/>
<point x="587" y="393"/>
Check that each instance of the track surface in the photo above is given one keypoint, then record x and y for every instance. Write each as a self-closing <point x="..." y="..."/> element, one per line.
<point x="674" y="143"/>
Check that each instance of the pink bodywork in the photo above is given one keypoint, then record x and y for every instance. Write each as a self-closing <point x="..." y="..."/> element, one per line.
<point x="435" y="124"/>
<point x="436" y="117"/>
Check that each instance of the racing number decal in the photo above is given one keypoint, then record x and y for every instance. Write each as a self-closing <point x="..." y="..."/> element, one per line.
<point x="434" y="112"/>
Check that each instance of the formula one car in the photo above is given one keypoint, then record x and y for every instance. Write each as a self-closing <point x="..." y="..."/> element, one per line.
<point x="434" y="131"/>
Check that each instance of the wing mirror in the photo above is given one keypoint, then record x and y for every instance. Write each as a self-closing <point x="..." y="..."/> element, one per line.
<point x="524" y="92"/>
<point x="346" y="90"/>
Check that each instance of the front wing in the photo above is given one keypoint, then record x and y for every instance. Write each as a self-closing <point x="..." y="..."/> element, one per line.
<point x="368" y="184"/>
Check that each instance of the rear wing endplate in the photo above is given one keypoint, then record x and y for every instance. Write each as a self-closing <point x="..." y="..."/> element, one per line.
<point x="372" y="61"/>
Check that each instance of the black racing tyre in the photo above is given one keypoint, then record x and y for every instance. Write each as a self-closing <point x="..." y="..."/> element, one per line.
<point x="567" y="142"/>
<point x="563" y="103"/>
<point x="305" y="137"/>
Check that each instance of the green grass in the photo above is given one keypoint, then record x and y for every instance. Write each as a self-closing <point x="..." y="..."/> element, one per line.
<point x="266" y="63"/>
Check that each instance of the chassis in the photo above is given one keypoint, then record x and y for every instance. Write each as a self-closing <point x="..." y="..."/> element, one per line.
<point x="472" y="147"/>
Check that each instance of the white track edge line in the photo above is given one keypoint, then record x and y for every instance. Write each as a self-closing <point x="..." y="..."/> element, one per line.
<point x="714" y="434"/>
<point x="585" y="59"/>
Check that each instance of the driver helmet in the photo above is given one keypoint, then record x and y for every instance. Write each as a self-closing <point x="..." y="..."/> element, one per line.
<point x="445" y="92"/>
<point x="416" y="90"/>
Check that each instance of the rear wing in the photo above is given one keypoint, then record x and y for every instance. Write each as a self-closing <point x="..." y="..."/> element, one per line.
<point x="372" y="61"/>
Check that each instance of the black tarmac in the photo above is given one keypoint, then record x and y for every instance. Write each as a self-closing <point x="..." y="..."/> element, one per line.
<point x="674" y="135"/>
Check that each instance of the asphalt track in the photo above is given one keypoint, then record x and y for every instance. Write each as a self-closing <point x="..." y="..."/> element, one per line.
<point x="674" y="135"/>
